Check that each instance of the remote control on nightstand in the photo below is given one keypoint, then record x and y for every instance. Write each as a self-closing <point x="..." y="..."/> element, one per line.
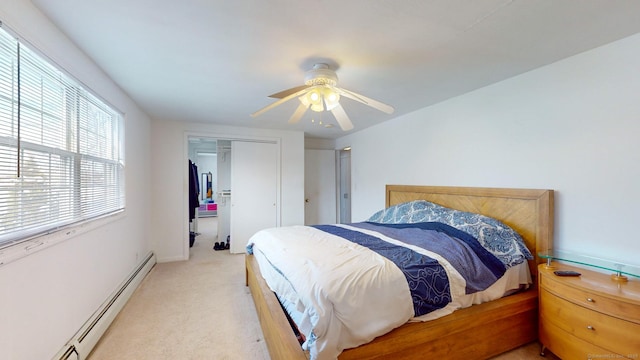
<point x="566" y="273"/>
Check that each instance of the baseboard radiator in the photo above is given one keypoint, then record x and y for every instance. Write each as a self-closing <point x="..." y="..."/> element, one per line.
<point x="81" y="344"/>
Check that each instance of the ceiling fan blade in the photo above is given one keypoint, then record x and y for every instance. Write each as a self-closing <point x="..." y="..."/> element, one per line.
<point x="367" y="101"/>
<point x="285" y="93"/>
<point x="281" y="101"/>
<point x="297" y="115"/>
<point x="342" y="118"/>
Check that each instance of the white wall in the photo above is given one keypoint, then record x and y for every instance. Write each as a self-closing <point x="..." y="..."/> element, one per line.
<point x="571" y="126"/>
<point x="47" y="296"/>
<point x="319" y="144"/>
<point x="168" y="168"/>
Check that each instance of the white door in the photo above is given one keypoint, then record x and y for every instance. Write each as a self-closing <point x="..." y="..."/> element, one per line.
<point x="345" y="186"/>
<point x="254" y="190"/>
<point x="319" y="187"/>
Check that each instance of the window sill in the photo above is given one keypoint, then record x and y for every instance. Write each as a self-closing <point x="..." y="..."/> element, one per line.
<point x="25" y="248"/>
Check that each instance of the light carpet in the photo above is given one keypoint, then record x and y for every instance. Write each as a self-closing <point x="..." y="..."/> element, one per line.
<point x="196" y="309"/>
<point x="201" y="309"/>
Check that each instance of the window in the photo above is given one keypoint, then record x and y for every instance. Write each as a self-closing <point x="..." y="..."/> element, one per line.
<point x="61" y="158"/>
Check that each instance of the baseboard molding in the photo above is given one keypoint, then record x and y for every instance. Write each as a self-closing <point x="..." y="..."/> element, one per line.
<point x="81" y="344"/>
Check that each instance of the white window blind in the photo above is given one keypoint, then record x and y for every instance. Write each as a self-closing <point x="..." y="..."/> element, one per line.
<point x="61" y="158"/>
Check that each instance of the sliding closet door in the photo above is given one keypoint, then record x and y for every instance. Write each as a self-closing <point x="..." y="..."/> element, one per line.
<point x="254" y="185"/>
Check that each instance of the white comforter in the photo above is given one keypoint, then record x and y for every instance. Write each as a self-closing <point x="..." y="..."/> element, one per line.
<point x="346" y="294"/>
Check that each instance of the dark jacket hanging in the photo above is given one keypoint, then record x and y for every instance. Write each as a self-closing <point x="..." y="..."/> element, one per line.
<point x="194" y="190"/>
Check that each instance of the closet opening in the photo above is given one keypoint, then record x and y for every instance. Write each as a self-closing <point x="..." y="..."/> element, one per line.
<point x="205" y="180"/>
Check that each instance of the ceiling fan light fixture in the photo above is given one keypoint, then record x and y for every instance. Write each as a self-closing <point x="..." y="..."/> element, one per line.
<point x="314" y="96"/>
<point x="321" y="93"/>
<point x="304" y="99"/>
<point x="317" y="107"/>
<point x="321" y="74"/>
<point x="331" y="98"/>
<point x="315" y="99"/>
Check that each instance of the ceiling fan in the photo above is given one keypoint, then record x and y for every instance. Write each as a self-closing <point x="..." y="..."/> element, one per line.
<point x="320" y="93"/>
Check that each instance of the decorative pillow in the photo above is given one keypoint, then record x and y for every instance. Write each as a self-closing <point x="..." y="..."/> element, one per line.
<point x="502" y="241"/>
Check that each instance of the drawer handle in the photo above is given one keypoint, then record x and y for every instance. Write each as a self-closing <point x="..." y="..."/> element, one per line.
<point x="590" y="300"/>
<point x="590" y="327"/>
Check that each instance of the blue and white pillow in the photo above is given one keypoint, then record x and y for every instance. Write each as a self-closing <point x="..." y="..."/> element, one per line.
<point x="502" y="241"/>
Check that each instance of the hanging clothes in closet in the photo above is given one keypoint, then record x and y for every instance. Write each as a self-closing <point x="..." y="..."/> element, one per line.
<point x="194" y="201"/>
<point x="194" y="190"/>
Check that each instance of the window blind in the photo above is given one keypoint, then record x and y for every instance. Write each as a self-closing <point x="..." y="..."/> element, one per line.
<point x="61" y="158"/>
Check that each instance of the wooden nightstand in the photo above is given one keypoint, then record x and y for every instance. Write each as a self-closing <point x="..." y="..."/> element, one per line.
<point x="588" y="317"/>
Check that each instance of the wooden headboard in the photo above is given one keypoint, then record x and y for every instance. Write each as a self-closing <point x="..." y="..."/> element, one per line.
<point x="527" y="211"/>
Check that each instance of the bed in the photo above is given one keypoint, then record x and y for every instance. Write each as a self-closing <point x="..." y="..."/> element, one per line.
<point x="479" y="331"/>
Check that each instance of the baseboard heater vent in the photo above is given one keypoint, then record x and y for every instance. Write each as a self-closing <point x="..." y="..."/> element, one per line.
<point x="79" y="347"/>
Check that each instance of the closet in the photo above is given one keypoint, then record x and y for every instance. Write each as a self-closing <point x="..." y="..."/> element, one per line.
<point x="244" y="186"/>
<point x="202" y="183"/>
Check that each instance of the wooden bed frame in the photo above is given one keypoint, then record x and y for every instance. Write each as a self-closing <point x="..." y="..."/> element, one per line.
<point x="477" y="332"/>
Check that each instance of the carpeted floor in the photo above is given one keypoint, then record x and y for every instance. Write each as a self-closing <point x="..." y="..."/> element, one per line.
<point x="196" y="309"/>
<point x="201" y="309"/>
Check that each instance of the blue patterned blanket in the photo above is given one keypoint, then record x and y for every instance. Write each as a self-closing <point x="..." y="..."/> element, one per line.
<point x="426" y="276"/>
<point x="501" y="240"/>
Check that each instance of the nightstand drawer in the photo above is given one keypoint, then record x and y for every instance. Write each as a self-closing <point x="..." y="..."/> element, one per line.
<point x="567" y="346"/>
<point x="569" y="290"/>
<point x="592" y="326"/>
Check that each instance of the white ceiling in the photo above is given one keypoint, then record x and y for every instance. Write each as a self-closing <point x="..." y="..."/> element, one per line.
<point x="216" y="61"/>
